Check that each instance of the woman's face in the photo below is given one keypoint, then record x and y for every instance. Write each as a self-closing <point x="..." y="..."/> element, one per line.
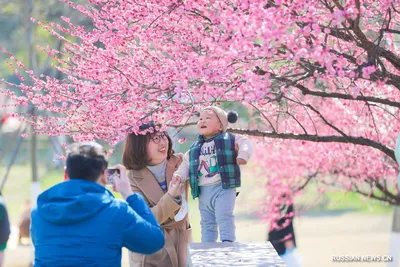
<point x="157" y="148"/>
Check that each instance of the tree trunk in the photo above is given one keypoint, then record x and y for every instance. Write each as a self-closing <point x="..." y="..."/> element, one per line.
<point x="35" y="185"/>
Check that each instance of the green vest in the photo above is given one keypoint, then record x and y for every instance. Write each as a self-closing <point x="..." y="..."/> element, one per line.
<point x="226" y="160"/>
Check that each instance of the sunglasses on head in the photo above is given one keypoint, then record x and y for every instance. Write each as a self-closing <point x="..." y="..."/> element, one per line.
<point x="148" y="125"/>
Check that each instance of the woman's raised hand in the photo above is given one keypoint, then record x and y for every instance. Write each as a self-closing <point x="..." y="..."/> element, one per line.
<point x="175" y="188"/>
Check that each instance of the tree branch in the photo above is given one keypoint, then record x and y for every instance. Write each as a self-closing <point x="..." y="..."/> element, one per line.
<point x="384" y="190"/>
<point x="388" y="102"/>
<point x="357" y="140"/>
<point x="391" y="31"/>
<point x="322" y="139"/>
<point x="391" y="201"/>
<point x="306" y="91"/>
<point x="319" y="115"/>
<point x="265" y="117"/>
<point x="367" y="45"/>
<point x="309" y="179"/>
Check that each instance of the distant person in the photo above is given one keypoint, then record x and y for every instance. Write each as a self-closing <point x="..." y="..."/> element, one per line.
<point x="5" y="229"/>
<point x="78" y="222"/>
<point x="25" y="222"/>
<point x="282" y="236"/>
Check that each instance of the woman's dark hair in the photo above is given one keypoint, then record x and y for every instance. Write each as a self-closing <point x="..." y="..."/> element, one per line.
<point x="135" y="155"/>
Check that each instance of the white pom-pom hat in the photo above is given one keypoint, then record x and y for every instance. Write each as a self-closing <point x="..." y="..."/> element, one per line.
<point x="223" y="116"/>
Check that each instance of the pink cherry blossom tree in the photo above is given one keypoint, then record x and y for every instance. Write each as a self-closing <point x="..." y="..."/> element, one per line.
<point x="320" y="78"/>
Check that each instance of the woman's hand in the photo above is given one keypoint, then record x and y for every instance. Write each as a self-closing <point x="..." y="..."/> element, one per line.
<point x="175" y="188"/>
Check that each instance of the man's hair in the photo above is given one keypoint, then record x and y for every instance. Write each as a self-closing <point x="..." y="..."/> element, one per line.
<point x="86" y="161"/>
<point x="135" y="155"/>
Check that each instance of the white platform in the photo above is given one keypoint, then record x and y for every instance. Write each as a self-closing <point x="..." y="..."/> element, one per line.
<point x="233" y="254"/>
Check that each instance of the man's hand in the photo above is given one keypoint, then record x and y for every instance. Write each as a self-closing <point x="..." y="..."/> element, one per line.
<point x="122" y="184"/>
<point x="241" y="161"/>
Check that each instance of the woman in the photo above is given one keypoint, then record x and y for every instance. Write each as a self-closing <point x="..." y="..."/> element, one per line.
<point x="151" y="162"/>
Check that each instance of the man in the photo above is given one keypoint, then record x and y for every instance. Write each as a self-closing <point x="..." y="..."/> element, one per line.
<point x="25" y="222"/>
<point x="79" y="222"/>
<point x="5" y="229"/>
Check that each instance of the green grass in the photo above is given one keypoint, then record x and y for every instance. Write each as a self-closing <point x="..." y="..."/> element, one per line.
<point x="337" y="200"/>
<point x="351" y="200"/>
<point x="194" y="217"/>
<point x="17" y="187"/>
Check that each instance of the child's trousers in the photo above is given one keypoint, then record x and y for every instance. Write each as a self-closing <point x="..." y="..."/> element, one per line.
<point x="216" y="209"/>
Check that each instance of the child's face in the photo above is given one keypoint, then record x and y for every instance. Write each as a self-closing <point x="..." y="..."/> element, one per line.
<point x="209" y="124"/>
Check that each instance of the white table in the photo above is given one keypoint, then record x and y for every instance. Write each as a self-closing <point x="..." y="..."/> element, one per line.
<point x="233" y="254"/>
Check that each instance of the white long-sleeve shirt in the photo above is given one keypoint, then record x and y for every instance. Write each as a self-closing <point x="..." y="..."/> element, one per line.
<point x="208" y="166"/>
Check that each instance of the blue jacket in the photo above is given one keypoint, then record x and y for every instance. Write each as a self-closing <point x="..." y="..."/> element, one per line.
<point x="80" y="223"/>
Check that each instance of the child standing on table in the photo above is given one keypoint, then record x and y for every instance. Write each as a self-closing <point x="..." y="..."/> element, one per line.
<point x="212" y="165"/>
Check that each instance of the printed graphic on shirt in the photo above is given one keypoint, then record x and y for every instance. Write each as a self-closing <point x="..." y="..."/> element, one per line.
<point x="208" y="167"/>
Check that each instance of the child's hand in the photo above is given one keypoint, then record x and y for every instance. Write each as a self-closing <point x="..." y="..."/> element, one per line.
<point x="177" y="179"/>
<point x="241" y="162"/>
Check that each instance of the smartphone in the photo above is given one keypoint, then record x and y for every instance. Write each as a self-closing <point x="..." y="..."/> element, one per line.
<point x="111" y="175"/>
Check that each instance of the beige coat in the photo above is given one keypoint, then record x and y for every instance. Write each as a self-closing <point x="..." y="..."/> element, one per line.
<point x="177" y="234"/>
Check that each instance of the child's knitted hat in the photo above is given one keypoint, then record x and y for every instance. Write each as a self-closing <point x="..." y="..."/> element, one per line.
<point x="224" y="117"/>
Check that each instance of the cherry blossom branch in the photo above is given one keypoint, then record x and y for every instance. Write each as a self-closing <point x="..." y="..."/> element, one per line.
<point x="367" y="45"/>
<point x="373" y="183"/>
<point x="306" y="91"/>
<point x="347" y="139"/>
<point x="388" y="102"/>
<point x="319" y="115"/>
<point x="388" y="197"/>
<point x="316" y="138"/>
<point x="266" y="118"/>
<point x="391" y="31"/>
<point x="308" y="180"/>
<point x="385" y="191"/>
<point x="373" y="119"/>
